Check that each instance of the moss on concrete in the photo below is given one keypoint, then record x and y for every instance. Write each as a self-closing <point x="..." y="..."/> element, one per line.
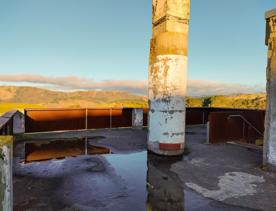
<point x="5" y="140"/>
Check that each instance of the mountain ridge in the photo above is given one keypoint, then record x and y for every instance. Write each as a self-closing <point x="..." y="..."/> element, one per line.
<point x="76" y="99"/>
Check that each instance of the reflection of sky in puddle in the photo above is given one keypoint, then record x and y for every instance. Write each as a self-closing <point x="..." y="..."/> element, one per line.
<point x="114" y="182"/>
<point x="133" y="169"/>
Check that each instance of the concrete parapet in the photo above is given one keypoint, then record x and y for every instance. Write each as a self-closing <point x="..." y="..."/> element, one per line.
<point x="12" y="122"/>
<point x="137" y="117"/>
<point x="6" y="187"/>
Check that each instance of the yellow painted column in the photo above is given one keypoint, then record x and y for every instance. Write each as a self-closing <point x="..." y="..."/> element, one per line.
<point x="168" y="76"/>
<point x="270" y="122"/>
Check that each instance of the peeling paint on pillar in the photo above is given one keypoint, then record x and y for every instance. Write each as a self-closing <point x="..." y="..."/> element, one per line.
<point x="270" y="122"/>
<point x="168" y="76"/>
<point x="6" y="187"/>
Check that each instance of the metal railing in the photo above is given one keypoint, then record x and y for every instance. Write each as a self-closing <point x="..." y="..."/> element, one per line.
<point x="247" y="122"/>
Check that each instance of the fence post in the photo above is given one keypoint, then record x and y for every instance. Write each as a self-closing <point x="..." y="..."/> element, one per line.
<point x="86" y="119"/>
<point x="208" y="133"/>
<point x="110" y="118"/>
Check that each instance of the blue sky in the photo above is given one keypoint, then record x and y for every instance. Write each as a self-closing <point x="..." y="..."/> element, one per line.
<point x="108" y="40"/>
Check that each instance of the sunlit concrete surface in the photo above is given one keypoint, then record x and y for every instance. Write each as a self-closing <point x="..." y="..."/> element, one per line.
<point x="207" y="177"/>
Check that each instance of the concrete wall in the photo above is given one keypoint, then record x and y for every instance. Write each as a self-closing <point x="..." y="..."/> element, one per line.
<point x="137" y="117"/>
<point x="270" y="122"/>
<point x="18" y="123"/>
<point x="6" y="173"/>
<point x="12" y="122"/>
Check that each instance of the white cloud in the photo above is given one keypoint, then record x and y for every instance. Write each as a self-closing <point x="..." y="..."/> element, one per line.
<point x="205" y="88"/>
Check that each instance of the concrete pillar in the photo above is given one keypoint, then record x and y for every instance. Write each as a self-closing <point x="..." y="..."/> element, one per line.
<point x="270" y="122"/>
<point x="137" y="117"/>
<point x="168" y="76"/>
<point x="6" y="199"/>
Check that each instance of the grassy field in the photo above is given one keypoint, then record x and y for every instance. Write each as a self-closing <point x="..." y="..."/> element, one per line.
<point x="4" y="107"/>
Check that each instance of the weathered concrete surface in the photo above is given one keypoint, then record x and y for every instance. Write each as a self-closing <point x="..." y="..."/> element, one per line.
<point x="168" y="76"/>
<point x="18" y="123"/>
<point x="6" y="186"/>
<point x="226" y="173"/>
<point x="211" y="177"/>
<point x="270" y="122"/>
<point x="137" y="117"/>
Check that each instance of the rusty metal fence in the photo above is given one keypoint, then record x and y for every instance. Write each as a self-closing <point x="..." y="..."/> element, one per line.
<point x="224" y="124"/>
<point x="200" y="115"/>
<point x="42" y="120"/>
<point x="45" y="120"/>
<point x="244" y="126"/>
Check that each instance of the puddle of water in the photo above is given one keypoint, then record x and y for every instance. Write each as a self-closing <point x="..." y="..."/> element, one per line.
<point x="59" y="149"/>
<point x="90" y="178"/>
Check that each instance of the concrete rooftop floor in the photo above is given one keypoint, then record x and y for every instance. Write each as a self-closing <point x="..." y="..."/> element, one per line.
<point x="209" y="177"/>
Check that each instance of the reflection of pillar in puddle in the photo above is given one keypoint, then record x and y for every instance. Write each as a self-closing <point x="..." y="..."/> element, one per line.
<point x="164" y="188"/>
<point x="168" y="76"/>
<point x="270" y="123"/>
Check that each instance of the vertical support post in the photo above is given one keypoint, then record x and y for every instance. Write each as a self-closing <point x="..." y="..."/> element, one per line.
<point x="270" y="120"/>
<point x="137" y="118"/>
<point x="6" y="186"/>
<point x="86" y="118"/>
<point x="110" y="118"/>
<point x="168" y="76"/>
<point x="86" y="123"/>
<point x="208" y="133"/>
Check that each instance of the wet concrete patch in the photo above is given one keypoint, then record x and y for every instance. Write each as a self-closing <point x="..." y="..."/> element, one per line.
<point x="132" y="179"/>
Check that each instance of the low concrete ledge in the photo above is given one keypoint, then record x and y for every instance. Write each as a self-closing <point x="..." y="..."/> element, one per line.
<point x="270" y="13"/>
<point x="12" y="122"/>
<point x="6" y="148"/>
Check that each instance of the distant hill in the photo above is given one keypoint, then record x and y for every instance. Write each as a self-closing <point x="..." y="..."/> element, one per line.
<point x="252" y="101"/>
<point x="12" y="97"/>
<point x="78" y="99"/>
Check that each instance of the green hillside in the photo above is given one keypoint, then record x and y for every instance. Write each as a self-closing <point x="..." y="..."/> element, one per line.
<point x="248" y="101"/>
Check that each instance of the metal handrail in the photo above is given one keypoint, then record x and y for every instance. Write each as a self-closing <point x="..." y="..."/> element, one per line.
<point x="249" y="123"/>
